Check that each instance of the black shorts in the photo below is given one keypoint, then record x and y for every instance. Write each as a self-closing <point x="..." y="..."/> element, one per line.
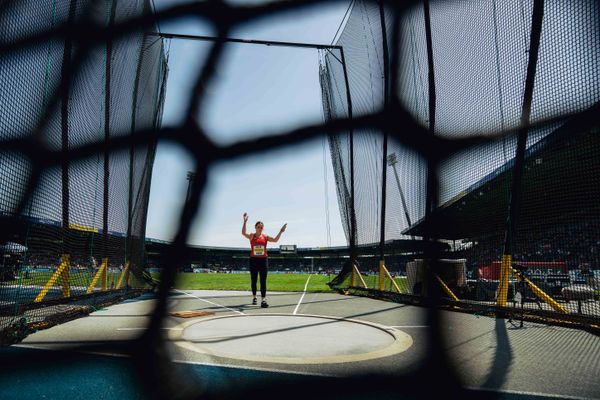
<point x="258" y="263"/>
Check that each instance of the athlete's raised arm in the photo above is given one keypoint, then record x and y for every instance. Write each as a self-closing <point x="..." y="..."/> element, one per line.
<point x="276" y="238"/>
<point x="244" y="233"/>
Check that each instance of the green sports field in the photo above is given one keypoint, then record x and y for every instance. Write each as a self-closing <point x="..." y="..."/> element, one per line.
<point x="275" y="282"/>
<point x="216" y="281"/>
<point x="77" y="278"/>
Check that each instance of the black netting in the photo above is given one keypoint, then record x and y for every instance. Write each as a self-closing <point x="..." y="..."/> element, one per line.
<point x="85" y="212"/>
<point x="481" y="66"/>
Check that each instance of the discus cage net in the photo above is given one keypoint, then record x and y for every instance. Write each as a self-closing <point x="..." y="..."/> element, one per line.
<point x="463" y="138"/>
<point x="512" y="219"/>
<point x="73" y="230"/>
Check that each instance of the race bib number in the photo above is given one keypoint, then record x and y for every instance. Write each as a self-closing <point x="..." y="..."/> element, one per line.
<point x="259" y="250"/>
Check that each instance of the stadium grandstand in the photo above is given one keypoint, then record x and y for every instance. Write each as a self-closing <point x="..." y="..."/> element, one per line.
<point x="326" y="260"/>
<point x="560" y="222"/>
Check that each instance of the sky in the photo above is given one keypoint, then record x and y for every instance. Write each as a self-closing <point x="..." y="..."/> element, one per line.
<point x="259" y="90"/>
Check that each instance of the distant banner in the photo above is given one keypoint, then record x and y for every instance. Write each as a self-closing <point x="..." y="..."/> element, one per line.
<point x="492" y="271"/>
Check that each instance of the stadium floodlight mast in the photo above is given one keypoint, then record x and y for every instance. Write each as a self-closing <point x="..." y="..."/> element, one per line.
<point x="190" y="178"/>
<point x="392" y="161"/>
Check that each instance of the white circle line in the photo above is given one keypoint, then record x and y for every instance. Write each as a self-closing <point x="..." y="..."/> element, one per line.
<point x="402" y="342"/>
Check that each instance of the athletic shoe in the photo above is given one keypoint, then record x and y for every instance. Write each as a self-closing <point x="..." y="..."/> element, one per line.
<point x="254" y="301"/>
<point x="264" y="304"/>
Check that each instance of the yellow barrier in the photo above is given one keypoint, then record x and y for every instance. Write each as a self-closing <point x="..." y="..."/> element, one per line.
<point x="63" y="271"/>
<point x="540" y="293"/>
<point x="447" y="290"/>
<point x="100" y="273"/>
<point x="383" y="272"/>
<point x="66" y="279"/>
<point x="105" y="275"/>
<point x="355" y="273"/>
<point x="505" y="268"/>
<point x="124" y="273"/>
<point x="381" y="275"/>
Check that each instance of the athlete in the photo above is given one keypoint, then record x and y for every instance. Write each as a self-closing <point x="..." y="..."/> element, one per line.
<point x="259" y="257"/>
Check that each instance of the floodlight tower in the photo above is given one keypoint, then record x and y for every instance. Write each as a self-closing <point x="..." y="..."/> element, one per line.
<point x="392" y="161"/>
<point x="190" y="178"/>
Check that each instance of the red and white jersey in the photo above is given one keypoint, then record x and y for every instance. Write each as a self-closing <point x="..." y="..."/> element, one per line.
<point x="258" y="246"/>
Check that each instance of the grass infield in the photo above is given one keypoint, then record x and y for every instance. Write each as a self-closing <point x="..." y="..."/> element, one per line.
<point x="76" y="278"/>
<point x="275" y="282"/>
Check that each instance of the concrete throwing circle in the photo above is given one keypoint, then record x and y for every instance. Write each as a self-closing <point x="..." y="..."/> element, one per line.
<point x="290" y="339"/>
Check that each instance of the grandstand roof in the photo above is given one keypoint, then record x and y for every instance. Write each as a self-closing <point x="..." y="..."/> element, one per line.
<point x="560" y="178"/>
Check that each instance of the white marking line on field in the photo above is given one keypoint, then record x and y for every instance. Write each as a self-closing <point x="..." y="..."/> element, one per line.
<point x="302" y="297"/>
<point x="409" y="326"/>
<point x="209" y="302"/>
<point x="143" y="329"/>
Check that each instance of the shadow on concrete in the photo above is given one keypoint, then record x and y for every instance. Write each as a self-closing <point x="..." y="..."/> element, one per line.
<point x="502" y="359"/>
<point x="247" y="306"/>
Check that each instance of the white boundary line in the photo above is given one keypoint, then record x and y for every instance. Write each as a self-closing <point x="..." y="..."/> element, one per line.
<point x="209" y="302"/>
<point x="142" y="329"/>
<point x="302" y="297"/>
<point x="402" y="341"/>
<point x="408" y="326"/>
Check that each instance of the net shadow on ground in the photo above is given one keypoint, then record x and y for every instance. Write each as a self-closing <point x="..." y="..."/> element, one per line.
<point x="503" y="358"/>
